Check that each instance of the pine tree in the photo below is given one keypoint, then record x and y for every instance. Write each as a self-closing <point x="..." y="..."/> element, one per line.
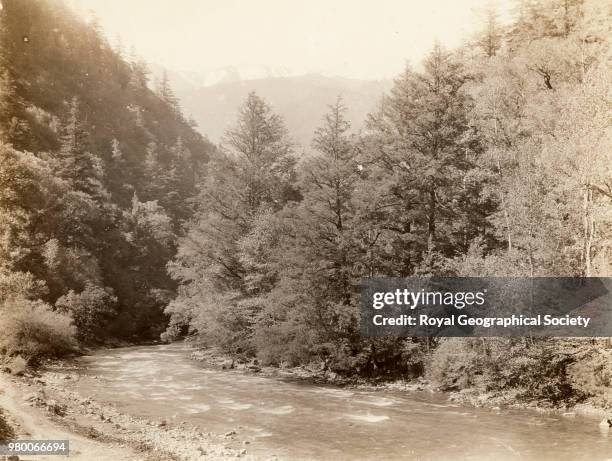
<point x="490" y="40"/>
<point x="262" y="152"/>
<point x="166" y="94"/>
<point x="253" y="175"/>
<point x="83" y="170"/>
<point x="328" y="245"/>
<point x="424" y="145"/>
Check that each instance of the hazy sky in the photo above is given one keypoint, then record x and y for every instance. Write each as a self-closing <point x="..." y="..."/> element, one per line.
<point x="353" y="38"/>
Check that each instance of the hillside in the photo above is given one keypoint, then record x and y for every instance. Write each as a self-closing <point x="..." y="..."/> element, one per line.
<point x="96" y="173"/>
<point x="301" y="100"/>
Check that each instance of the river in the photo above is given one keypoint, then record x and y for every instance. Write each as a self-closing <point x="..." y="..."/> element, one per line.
<point x="294" y="420"/>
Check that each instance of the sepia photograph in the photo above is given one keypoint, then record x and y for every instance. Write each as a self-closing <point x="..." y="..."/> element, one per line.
<point x="284" y="230"/>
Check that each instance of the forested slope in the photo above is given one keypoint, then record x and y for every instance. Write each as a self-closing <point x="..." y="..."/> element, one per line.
<point x="494" y="159"/>
<point x="96" y="175"/>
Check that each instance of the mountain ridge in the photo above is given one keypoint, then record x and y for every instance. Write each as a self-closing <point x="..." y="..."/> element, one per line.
<point x="214" y="107"/>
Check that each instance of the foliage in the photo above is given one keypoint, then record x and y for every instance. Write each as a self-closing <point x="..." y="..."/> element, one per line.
<point x="591" y="371"/>
<point x="532" y="369"/>
<point x="96" y="172"/>
<point x="33" y="331"/>
<point x="92" y="309"/>
<point x="253" y="176"/>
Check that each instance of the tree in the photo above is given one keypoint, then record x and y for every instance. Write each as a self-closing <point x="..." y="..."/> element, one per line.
<point x="423" y="145"/>
<point x="329" y="184"/>
<point x="259" y="145"/>
<point x="31" y="203"/>
<point x="12" y="128"/>
<point x="83" y="170"/>
<point x="253" y="174"/>
<point x="490" y="39"/>
<point x="579" y="152"/>
<point x="139" y="75"/>
<point x="164" y="90"/>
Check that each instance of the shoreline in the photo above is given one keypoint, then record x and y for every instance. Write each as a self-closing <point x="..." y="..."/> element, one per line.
<point x="467" y="397"/>
<point x="42" y="404"/>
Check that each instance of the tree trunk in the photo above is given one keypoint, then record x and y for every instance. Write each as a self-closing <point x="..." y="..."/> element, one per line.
<point x="431" y="225"/>
<point x="588" y="229"/>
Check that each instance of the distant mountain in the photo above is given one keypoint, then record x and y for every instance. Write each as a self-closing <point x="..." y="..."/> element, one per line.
<point x="184" y="81"/>
<point x="301" y="100"/>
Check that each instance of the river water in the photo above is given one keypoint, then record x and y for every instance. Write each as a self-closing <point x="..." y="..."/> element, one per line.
<point x="294" y="420"/>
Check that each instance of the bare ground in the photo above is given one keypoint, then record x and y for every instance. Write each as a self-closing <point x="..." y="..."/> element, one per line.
<point x="31" y="422"/>
<point x="42" y="407"/>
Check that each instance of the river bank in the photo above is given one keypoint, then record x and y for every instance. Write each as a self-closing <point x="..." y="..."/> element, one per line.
<point x="469" y="397"/>
<point x="42" y="406"/>
<point x="33" y="418"/>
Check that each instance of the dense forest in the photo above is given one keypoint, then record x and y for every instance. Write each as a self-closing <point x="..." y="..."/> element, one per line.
<point x="119" y="220"/>
<point x="97" y="173"/>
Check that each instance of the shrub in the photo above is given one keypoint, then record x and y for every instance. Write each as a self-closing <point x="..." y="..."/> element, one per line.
<point x="533" y="369"/>
<point x="18" y="365"/>
<point x="20" y="284"/>
<point x="33" y="331"/>
<point x="92" y="310"/>
<point x="456" y="364"/>
<point x="382" y="358"/>
<point x="591" y="372"/>
<point x="286" y="343"/>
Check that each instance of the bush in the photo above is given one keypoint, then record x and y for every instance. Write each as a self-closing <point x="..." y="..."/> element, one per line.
<point x="20" y="284"/>
<point x="33" y="331"/>
<point x="528" y="368"/>
<point x="17" y="365"/>
<point x="92" y="310"/>
<point x="456" y="364"/>
<point x="591" y="372"/>
<point x="286" y="344"/>
<point x="382" y="358"/>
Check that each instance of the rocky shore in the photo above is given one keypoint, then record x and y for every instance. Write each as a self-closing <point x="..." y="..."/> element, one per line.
<point x="312" y="374"/>
<point x="50" y="398"/>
